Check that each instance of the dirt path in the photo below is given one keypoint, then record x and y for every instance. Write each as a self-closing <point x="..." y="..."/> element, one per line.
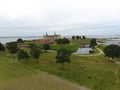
<point x="70" y="84"/>
<point x="40" y="81"/>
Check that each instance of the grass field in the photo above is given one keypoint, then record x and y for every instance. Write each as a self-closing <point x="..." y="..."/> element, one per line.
<point x="18" y="76"/>
<point x="97" y="73"/>
<point x="73" y="46"/>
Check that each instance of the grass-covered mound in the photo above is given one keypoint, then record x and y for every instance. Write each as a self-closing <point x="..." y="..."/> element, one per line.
<point x="97" y="73"/>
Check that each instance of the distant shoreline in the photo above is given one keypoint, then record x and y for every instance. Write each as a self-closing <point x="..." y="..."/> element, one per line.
<point x="88" y="36"/>
<point x="14" y="38"/>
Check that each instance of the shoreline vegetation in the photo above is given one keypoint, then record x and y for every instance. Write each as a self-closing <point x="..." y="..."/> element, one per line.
<point x="14" y="38"/>
<point x="94" y="72"/>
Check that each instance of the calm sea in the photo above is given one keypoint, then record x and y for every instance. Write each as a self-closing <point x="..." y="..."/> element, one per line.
<point x="111" y="38"/>
<point x="10" y="39"/>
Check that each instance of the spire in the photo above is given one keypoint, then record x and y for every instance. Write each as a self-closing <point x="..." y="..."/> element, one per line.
<point x="46" y="34"/>
<point x="54" y="33"/>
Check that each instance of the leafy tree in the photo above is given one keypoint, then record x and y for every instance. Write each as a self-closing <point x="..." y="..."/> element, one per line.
<point x="12" y="47"/>
<point x="26" y="56"/>
<point x="20" y="40"/>
<point x="62" y="41"/>
<point x="32" y="45"/>
<point x="2" y="48"/>
<point x="63" y="55"/>
<point x="84" y="37"/>
<point x="93" y="42"/>
<point x="66" y="41"/>
<point x="46" y="46"/>
<point x="21" y="54"/>
<point x="77" y="37"/>
<point x="35" y="53"/>
<point x="73" y="37"/>
<point x="112" y="51"/>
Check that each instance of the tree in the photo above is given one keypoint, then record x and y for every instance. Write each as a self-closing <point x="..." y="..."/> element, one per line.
<point x="63" y="55"/>
<point x="84" y="37"/>
<point x="66" y="41"/>
<point x="62" y="41"/>
<point x="93" y="42"/>
<point x="77" y="37"/>
<point x="32" y="45"/>
<point x="12" y="47"/>
<point x="35" y="53"/>
<point x="73" y="37"/>
<point x="21" y="54"/>
<point x="20" y="40"/>
<point x="46" y="46"/>
<point x="112" y="51"/>
<point x="26" y="56"/>
<point x="2" y="48"/>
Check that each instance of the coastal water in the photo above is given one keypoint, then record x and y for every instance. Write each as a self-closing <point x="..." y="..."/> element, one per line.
<point x="111" y="39"/>
<point x="11" y="39"/>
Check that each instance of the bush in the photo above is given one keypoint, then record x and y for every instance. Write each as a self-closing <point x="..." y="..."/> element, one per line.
<point x="2" y="48"/>
<point x="32" y="45"/>
<point x="12" y="47"/>
<point x="20" y="40"/>
<point x="46" y="47"/>
<point x="91" y="51"/>
<point x="62" y="41"/>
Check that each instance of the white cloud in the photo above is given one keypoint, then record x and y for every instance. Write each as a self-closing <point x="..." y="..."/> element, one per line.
<point x="56" y="15"/>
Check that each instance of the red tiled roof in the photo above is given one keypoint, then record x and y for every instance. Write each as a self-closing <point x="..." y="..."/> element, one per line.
<point x="43" y="41"/>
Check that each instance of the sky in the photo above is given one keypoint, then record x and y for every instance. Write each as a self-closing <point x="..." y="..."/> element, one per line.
<point x="65" y="17"/>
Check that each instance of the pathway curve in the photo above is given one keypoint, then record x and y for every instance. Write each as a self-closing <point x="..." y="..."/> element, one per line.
<point x="100" y="52"/>
<point x="65" y="82"/>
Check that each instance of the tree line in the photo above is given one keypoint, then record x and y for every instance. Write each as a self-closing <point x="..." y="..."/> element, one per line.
<point x="112" y="51"/>
<point x="63" y="55"/>
<point x="78" y="37"/>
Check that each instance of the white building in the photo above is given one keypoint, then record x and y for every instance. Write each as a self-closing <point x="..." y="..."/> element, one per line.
<point x="84" y="48"/>
<point x="52" y="37"/>
<point x="83" y="51"/>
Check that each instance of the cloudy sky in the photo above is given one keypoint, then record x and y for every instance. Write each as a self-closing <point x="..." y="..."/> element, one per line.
<point x="66" y="17"/>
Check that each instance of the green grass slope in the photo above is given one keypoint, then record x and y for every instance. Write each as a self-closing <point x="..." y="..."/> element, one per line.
<point x="10" y="68"/>
<point x="97" y="72"/>
<point x="18" y="76"/>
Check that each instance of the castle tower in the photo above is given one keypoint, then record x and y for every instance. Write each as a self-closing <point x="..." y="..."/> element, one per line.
<point x="55" y="33"/>
<point x="46" y="34"/>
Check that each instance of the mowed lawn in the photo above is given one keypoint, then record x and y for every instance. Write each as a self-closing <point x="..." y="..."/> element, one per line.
<point x="96" y="73"/>
<point x="18" y="76"/>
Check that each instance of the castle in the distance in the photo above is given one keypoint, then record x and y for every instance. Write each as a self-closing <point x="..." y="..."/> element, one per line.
<point x="52" y="37"/>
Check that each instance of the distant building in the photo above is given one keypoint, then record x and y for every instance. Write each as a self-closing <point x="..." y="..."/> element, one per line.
<point x="44" y="41"/>
<point x="84" y="45"/>
<point x="48" y="39"/>
<point x="52" y="37"/>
